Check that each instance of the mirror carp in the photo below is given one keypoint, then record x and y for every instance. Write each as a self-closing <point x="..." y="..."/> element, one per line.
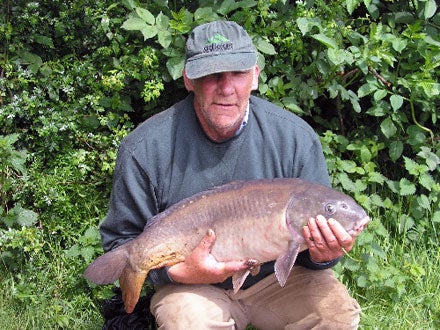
<point x="258" y="220"/>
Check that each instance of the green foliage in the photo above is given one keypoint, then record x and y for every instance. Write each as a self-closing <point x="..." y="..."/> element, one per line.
<point x="77" y="77"/>
<point x="12" y="168"/>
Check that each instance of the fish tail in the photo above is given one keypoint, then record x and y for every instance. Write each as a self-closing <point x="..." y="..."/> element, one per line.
<point x="108" y="267"/>
<point x="131" y="285"/>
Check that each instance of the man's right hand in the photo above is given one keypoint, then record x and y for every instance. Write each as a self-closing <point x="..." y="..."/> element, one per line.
<point x="200" y="266"/>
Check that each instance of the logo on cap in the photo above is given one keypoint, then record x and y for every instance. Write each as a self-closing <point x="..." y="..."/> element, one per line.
<point x="217" y="43"/>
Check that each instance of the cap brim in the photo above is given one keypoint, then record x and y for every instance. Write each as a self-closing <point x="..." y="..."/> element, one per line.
<point x="206" y="65"/>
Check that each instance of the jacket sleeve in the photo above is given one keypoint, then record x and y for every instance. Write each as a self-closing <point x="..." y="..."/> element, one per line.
<point x="309" y="160"/>
<point x="305" y="261"/>
<point x="133" y="201"/>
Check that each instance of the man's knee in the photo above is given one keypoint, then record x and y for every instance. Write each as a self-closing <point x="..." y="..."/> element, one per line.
<point x="322" y="302"/>
<point x="330" y="303"/>
<point x="191" y="307"/>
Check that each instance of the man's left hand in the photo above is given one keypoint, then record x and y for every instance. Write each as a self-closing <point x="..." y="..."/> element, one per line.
<point x="326" y="239"/>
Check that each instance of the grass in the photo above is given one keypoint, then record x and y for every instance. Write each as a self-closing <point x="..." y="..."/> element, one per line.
<point x="418" y="308"/>
<point x="56" y="297"/>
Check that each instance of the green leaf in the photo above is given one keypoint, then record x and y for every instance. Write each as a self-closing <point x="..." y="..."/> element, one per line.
<point x="377" y="250"/>
<point x="366" y="89"/>
<point x="360" y="185"/>
<point x="427" y="181"/>
<point x="247" y="3"/>
<point x="305" y="25"/>
<point x="34" y="61"/>
<point x="149" y="32"/>
<point x="423" y="202"/>
<point x="436" y="217"/>
<point x="203" y="14"/>
<point x="365" y="154"/>
<point x="327" y="41"/>
<point x="146" y="15"/>
<point x="175" y="67"/>
<point x="352" y="5"/>
<point x="396" y="101"/>
<point x="130" y="4"/>
<point x="416" y="136"/>
<point x="290" y="103"/>
<point x="43" y="40"/>
<point x="134" y="24"/>
<point x="346" y="182"/>
<point x="376" y="177"/>
<point x="377" y="110"/>
<point x="388" y="128"/>
<point x="348" y="166"/>
<point x="162" y="21"/>
<point x="354" y="100"/>
<point x="373" y="10"/>
<point x="405" y="222"/>
<point x="395" y="150"/>
<point x="90" y="237"/>
<point x="73" y="251"/>
<point x="428" y="39"/>
<point x="164" y="38"/>
<point x="227" y="6"/>
<point x="430" y="9"/>
<point x="430" y="88"/>
<point x="351" y="264"/>
<point x="399" y="44"/>
<point x="432" y="160"/>
<point x="336" y="56"/>
<point x="182" y="20"/>
<point x="21" y="216"/>
<point x="88" y="253"/>
<point x="265" y="46"/>
<point x="380" y="94"/>
<point x="412" y="166"/>
<point x="406" y="187"/>
<point x="9" y="139"/>
<point x="404" y="17"/>
<point x="377" y="200"/>
<point x="46" y="70"/>
<point x="362" y="281"/>
<point x="30" y="58"/>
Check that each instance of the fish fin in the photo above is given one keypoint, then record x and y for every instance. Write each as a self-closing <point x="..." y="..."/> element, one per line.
<point x="108" y="267"/>
<point x="131" y="285"/>
<point x="239" y="278"/>
<point x="285" y="262"/>
<point x="255" y="270"/>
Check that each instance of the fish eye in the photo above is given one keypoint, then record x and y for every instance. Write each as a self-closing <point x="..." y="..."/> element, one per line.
<point x="330" y="208"/>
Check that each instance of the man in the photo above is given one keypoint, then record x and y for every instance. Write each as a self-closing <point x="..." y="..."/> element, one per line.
<point x="220" y="133"/>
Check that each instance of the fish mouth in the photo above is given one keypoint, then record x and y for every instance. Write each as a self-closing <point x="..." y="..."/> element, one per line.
<point x="360" y="225"/>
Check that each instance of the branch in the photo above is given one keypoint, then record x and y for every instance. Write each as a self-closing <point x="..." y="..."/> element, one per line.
<point x="378" y="76"/>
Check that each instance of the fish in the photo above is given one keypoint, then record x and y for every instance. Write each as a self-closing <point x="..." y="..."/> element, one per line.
<point x="258" y="220"/>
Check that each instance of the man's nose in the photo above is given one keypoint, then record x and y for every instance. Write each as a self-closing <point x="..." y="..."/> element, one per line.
<point x="225" y="83"/>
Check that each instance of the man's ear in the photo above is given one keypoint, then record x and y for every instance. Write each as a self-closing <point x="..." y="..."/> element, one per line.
<point x="255" y="78"/>
<point x="188" y="83"/>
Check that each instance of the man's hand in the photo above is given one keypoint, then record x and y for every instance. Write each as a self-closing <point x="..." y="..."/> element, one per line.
<point x="326" y="240"/>
<point x="200" y="267"/>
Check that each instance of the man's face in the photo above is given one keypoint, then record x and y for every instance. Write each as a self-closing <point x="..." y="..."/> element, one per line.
<point x="220" y="100"/>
